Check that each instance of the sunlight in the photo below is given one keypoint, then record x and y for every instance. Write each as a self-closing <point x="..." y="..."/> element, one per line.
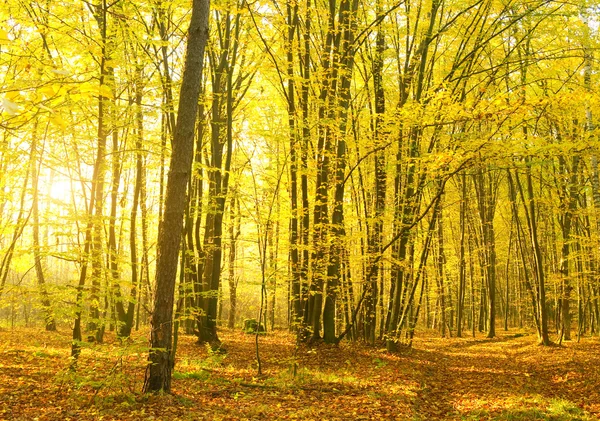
<point x="60" y="190"/>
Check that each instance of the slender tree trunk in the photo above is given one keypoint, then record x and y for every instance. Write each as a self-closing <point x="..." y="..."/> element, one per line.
<point x="566" y="223"/>
<point x="295" y="299"/>
<point x="407" y="194"/>
<point x="345" y="66"/>
<point x="221" y="152"/>
<point x="532" y="223"/>
<point x="304" y="148"/>
<point x="126" y="312"/>
<point x="441" y="263"/>
<point x="273" y="259"/>
<point x="234" y="233"/>
<point x="484" y="185"/>
<point x="49" y="321"/>
<point x="460" y="302"/>
<point x="376" y="240"/>
<point x="92" y="253"/>
<point x="507" y="277"/>
<point x="117" y="157"/>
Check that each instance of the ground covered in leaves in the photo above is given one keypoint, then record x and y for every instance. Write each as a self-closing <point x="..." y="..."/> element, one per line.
<point x="507" y="378"/>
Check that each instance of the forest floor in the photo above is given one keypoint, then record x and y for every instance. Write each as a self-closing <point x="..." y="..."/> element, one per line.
<point x="507" y="378"/>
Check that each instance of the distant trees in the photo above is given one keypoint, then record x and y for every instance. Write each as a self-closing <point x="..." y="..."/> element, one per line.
<point x="456" y="101"/>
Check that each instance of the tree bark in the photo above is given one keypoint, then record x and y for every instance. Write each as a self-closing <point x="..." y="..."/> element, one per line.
<point x="234" y="233"/>
<point x="49" y="321"/>
<point x="460" y="302"/>
<point x="486" y="198"/>
<point x="161" y="360"/>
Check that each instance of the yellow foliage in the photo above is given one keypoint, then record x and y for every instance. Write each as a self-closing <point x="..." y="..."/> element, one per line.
<point x="4" y="40"/>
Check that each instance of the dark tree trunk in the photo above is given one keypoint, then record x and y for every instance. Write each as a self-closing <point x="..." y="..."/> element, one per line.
<point x="126" y="312"/>
<point x="569" y="195"/>
<point x="295" y="279"/>
<point x="221" y="152"/>
<point x="304" y="148"/>
<point x="538" y="294"/>
<point x="375" y="244"/>
<point x="158" y="372"/>
<point x="344" y="69"/>
<point x="486" y="186"/>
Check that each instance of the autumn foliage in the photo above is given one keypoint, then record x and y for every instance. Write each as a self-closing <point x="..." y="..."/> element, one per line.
<point x="403" y="195"/>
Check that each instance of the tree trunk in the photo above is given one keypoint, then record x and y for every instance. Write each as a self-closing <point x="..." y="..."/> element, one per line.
<point x="460" y="302"/>
<point x="295" y="279"/>
<point x="441" y="264"/>
<point x="531" y="217"/>
<point x="126" y="313"/>
<point x="49" y="321"/>
<point x="158" y="372"/>
<point x="234" y="233"/>
<point x="570" y="186"/>
<point x="376" y="239"/>
<point x="486" y="200"/>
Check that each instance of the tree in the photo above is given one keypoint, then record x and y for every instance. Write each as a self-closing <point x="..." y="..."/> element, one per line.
<point x="230" y="80"/>
<point x="158" y="372"/>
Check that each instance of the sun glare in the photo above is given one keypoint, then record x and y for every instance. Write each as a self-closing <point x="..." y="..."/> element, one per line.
<point x="60" y="190"/>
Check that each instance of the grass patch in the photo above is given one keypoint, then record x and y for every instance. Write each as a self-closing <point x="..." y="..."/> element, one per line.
<point x="195" y="375"/>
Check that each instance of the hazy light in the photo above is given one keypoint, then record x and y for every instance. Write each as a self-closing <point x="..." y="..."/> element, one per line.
<point x="60" y="190"/>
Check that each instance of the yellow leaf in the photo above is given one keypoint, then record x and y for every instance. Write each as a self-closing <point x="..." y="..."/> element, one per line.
<point x="57" y="119"/>
<point x="60" y="72"/>
<point x="105" y="91"/>
<point x="14" y="95"/>
<point x="4" y="40"/>
<point x="48" y="91"/>
<point x="87" y="88"/>
<point x="10" y="107"/>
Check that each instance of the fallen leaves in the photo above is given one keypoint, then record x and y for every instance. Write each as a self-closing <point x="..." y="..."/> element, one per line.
<point x="504" y="378"/>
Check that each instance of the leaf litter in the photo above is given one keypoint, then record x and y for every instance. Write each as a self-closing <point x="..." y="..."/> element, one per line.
<point x="506" y="378"/>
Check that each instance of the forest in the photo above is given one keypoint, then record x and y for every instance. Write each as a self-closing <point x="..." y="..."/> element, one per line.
<point x="299" y="209"/>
